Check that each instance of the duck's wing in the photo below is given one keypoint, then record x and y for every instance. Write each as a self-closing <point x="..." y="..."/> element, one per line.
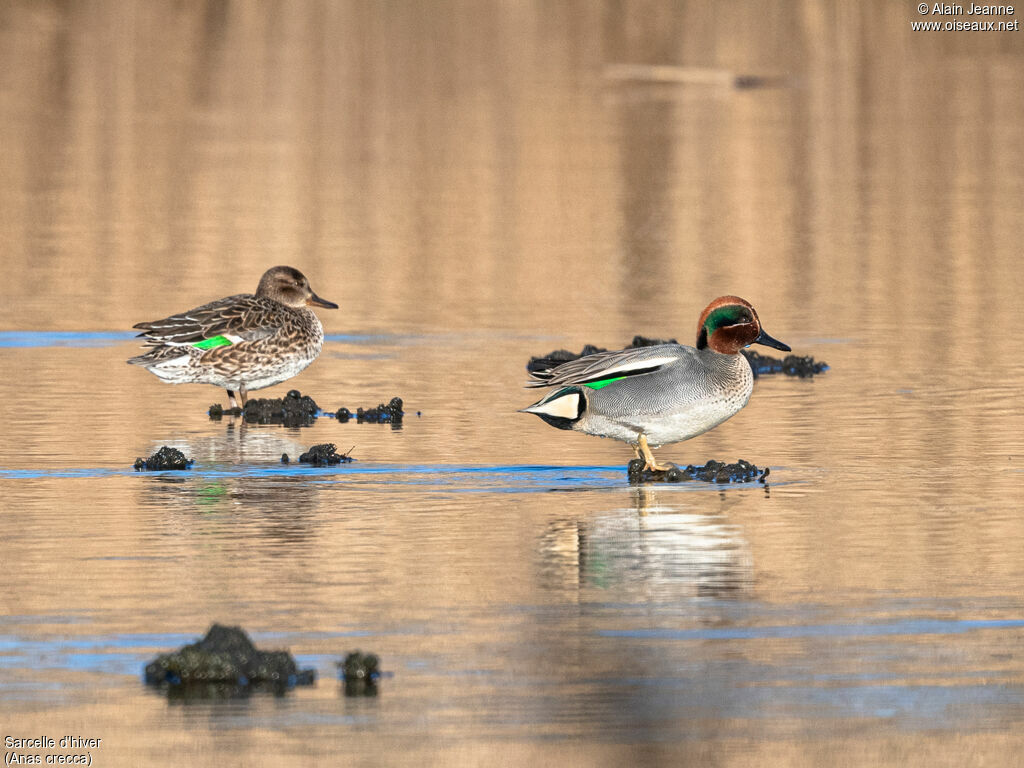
<point x="607" y="366"/>
<point x="236" y="318"/>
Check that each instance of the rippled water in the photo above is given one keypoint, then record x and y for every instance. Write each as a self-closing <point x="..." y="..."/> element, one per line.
<point x="475" y="184"/>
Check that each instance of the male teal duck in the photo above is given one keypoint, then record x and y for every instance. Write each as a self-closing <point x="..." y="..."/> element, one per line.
<point x="240" y="343"/>
<point x="663" y="394"/>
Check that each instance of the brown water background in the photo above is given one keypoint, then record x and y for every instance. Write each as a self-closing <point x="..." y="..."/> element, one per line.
<point x="475" y="183"/>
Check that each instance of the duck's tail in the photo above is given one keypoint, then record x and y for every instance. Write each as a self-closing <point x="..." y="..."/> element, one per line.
<point x="562" y="408"/>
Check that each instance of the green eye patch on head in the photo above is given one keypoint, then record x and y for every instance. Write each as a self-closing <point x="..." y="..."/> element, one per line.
<point x="728" y="315"/>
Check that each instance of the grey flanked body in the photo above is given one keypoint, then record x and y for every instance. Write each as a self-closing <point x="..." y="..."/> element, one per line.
<point x="684" y="398"/>
<point x="240" y="343"/>
<point x="661" y="394"/>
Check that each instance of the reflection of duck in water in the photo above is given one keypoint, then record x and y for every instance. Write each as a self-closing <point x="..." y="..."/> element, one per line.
<point x="661" y="394"/>
<point x="240" y="343"/>
<point x="657" y="548"/>
<point x="272" y="509"/>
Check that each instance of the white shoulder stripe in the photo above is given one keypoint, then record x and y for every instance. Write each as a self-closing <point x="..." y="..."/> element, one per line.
<point x="650" y="362"/>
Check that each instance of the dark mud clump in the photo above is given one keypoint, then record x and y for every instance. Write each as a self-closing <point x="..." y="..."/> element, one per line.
<point x="791" y="365"/>
<point x="165" y="458"/>
<point x="324" y="455"/>
<point x="383" y="414"/>
<point x="217" y="412"/>
<point x="713" y="472"/>
<point x="643" y="341"/>
<point x="226" y="659"/>
<point x="559" y="356"/>
<point x="298" y="410"/>
<point x="292" y="410"/>
<point x="391" y="413"/>
<point x="360" y="673"/>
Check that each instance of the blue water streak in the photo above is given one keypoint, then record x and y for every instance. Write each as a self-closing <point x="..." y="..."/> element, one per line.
<point x="908" y="627"/>
<point x="22" y="339"/>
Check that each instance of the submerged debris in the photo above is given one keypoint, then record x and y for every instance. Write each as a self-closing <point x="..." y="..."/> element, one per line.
<point x="165" y="458"/>
<point x="323" y="455"/>
<point x="226" y="656"/>
<point x="713" y="472"/>
<point x="360" y="673"/>
<point x="663" y="74"/>
<point x="791" y="365"/>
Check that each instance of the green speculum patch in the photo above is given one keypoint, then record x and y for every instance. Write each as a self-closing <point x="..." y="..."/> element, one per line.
<point x="216" y="341"/>
<point x="603" y="383"/>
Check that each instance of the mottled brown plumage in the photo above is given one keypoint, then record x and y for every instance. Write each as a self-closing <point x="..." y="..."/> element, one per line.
<point x="242" y="342"/>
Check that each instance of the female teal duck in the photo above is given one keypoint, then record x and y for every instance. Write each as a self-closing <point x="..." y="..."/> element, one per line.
<point x="661" y="394"/>
<point x="241" y="343"/>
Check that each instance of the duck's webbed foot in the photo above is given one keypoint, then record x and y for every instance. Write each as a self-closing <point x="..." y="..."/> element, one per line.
<point x="642" y="448"/>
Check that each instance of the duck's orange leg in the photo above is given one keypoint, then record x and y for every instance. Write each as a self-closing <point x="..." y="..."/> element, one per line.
<point x="649" y="462"/>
